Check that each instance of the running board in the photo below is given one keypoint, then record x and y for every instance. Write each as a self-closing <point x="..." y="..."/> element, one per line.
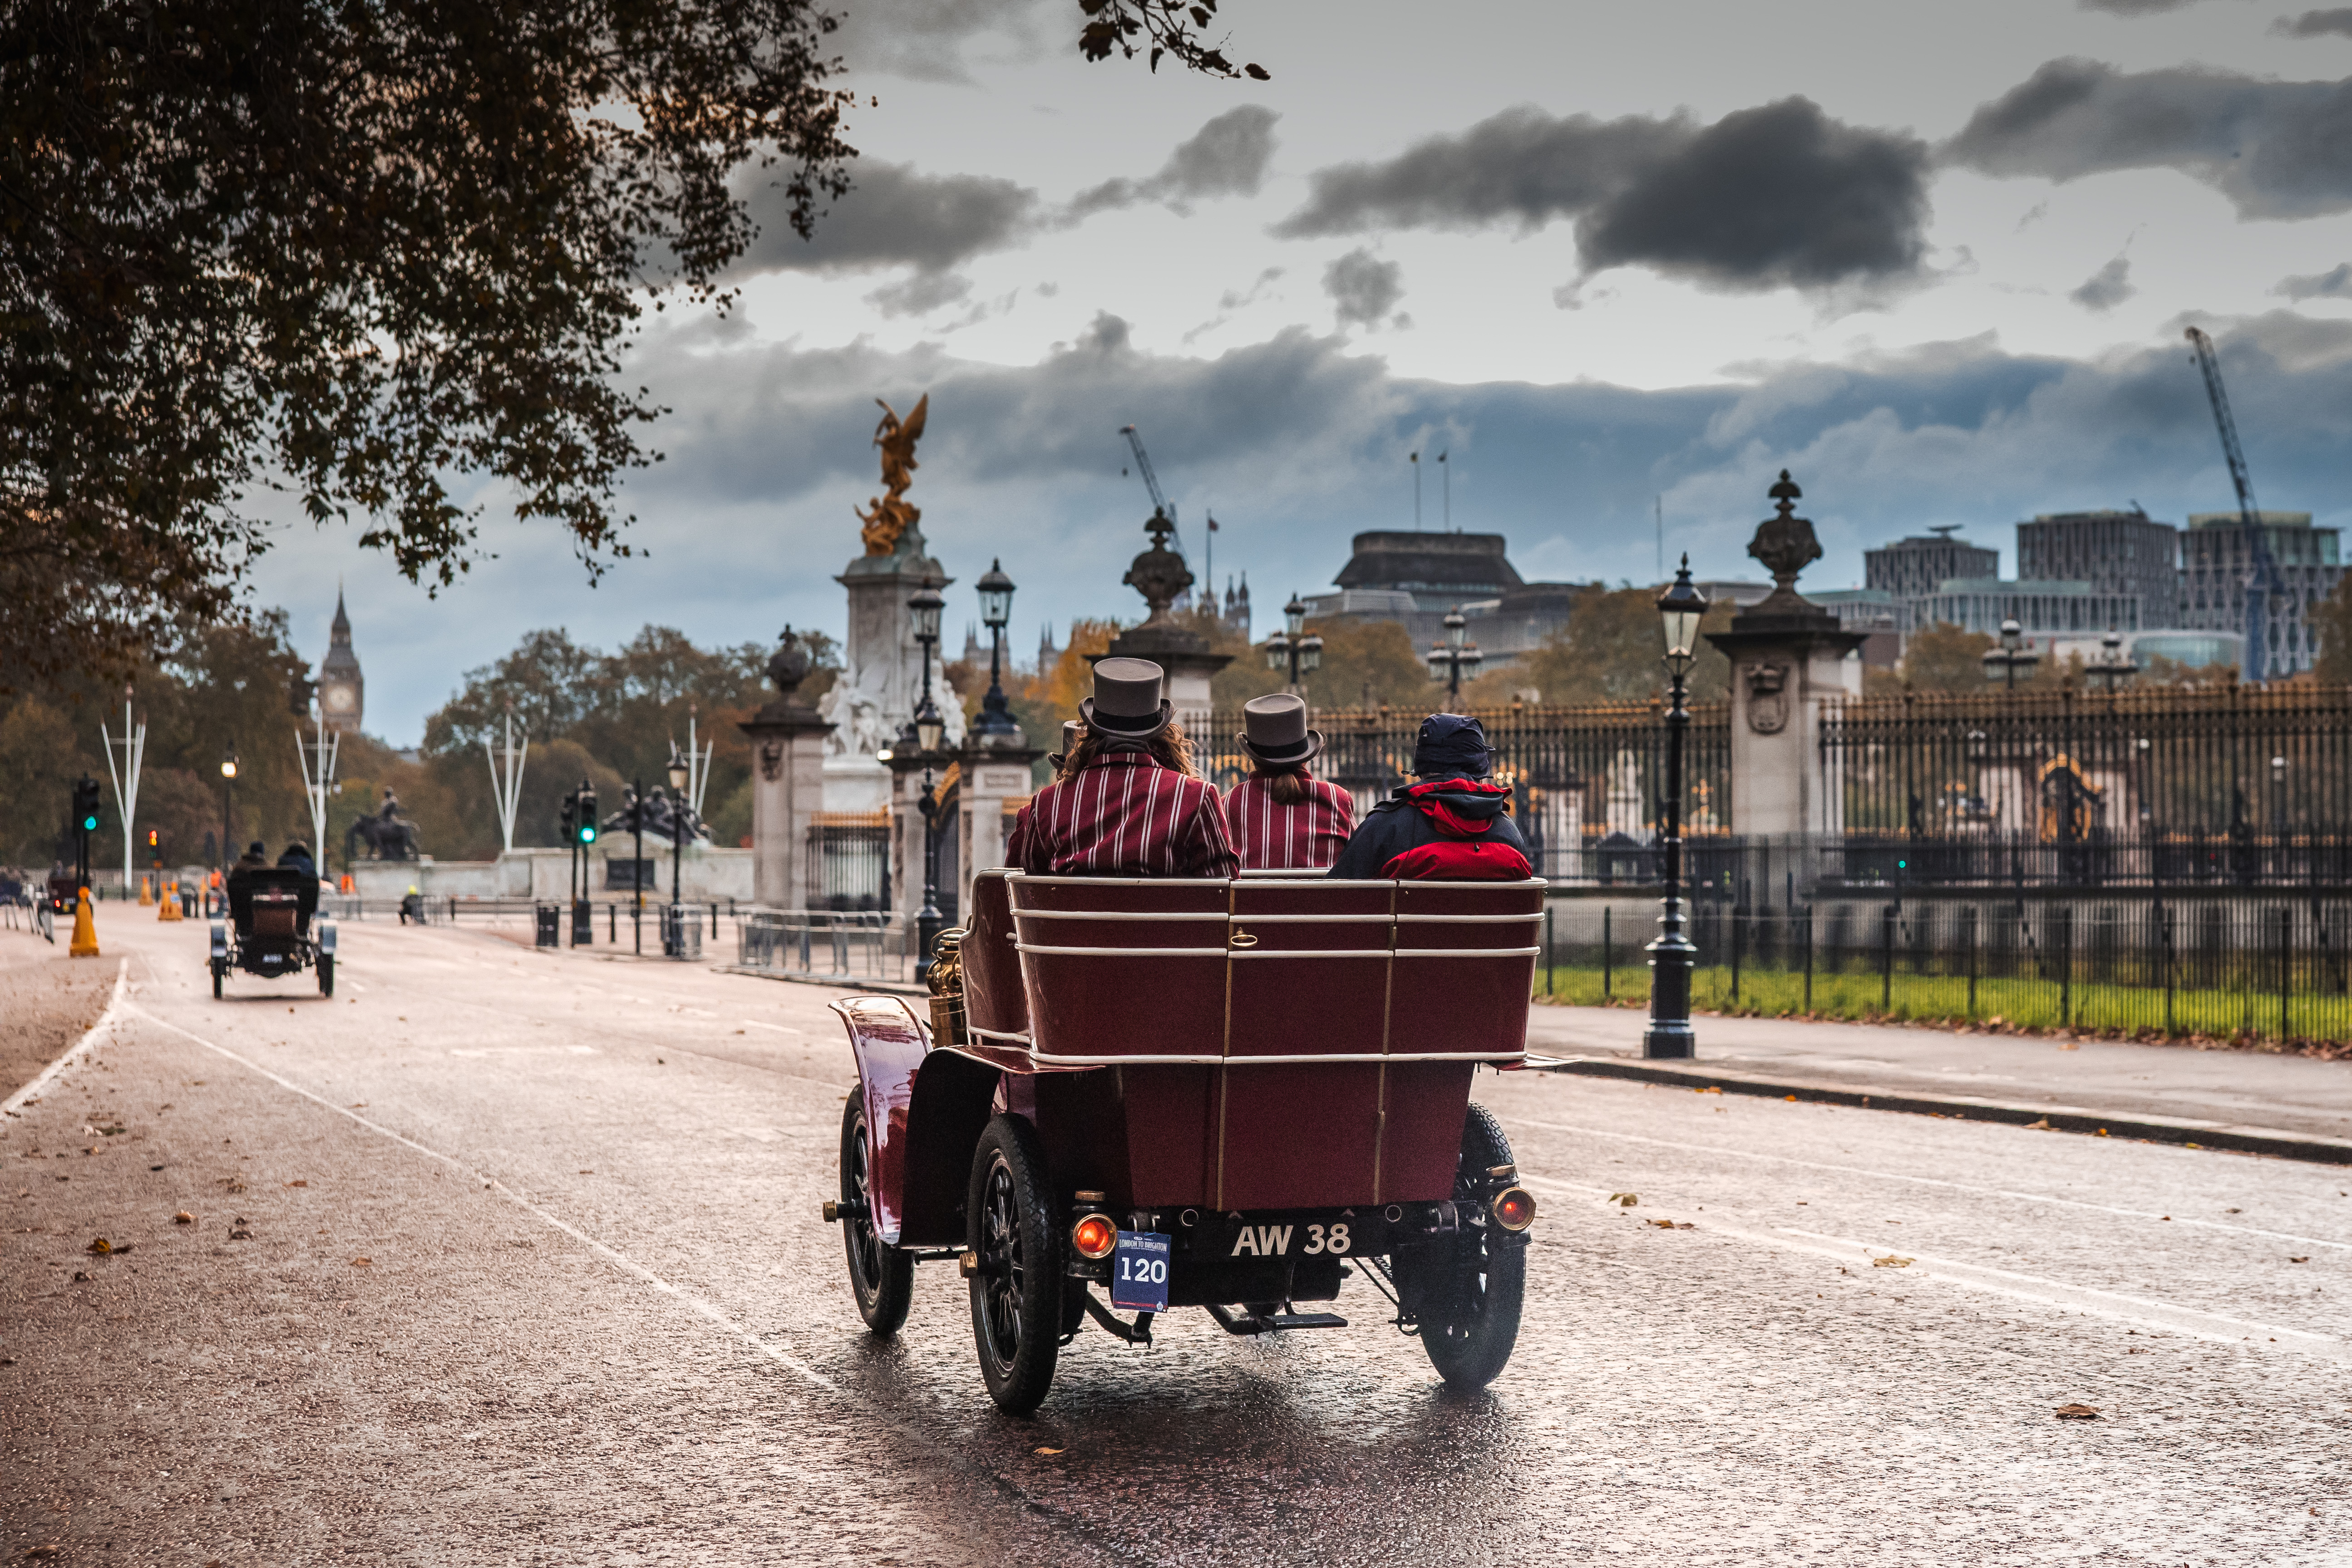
<point x="1244" y="1324"/>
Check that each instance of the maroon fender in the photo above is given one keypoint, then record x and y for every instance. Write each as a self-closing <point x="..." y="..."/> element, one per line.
<point x="925" y="1111"/>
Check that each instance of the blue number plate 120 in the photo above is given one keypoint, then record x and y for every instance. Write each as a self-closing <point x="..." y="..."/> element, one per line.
<point x="1139" y="1271"/>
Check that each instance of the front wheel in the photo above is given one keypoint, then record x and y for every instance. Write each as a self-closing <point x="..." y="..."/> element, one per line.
<point x="1016" y="1285"/>
<point x="1471" y="1286"/>
<point x="880" y="1274"/>
<point x="219" y="971"/>
<point x="326" y="974"/>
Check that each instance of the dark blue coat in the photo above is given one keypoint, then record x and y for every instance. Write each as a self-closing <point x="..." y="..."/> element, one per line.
<point x="1434" y="812"/>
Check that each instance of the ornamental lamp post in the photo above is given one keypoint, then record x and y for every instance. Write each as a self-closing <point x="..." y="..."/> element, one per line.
<point x="228" y="800"/>
<point x="931" y="731"/>
<point x="1672" y="956"/>
<point x="996" y="614"/>
<point x="1294" y="647"/>
<point x="2012" y="656"/>
<point x="678" y="775"/>
<point x="926" y="603"/>
<point x="1450" y="660"/>
<point x="2113" y="668"/>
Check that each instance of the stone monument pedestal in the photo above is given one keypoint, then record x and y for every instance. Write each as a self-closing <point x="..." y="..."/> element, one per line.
<point x="881" y="682"/>
<point x="1160" y="575"/>
<point x="788" y="746"/>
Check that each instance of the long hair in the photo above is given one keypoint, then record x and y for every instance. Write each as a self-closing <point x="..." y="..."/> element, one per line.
<point x="1286" y="782"/>
<point x="1171" y="748"/>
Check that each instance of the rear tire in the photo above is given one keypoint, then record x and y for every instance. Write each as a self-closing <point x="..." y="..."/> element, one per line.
<point x="1471" y="1289"/>
<point x="1017" y="1291"/>
<point x="326" y="974"/>
<point x="218" y="970"/>
<point x="880" y="1275"/>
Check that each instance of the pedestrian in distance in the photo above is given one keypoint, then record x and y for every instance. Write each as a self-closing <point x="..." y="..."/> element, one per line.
<point x="1129" y="803"/>
<point x="1452" y="826"/>
<point x="1282" y="817"/>
<point x="412" y="907"/>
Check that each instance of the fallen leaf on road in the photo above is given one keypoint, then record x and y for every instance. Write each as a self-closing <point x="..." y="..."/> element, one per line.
<point x="237" y="1233"/>
<point x="52" y="1550"/>
<point x="2071" y="1045"/>
<point x="184" y="1217"/>
<point x="2078" y="1413"/>
<point x="101" y="1245"/>
<point x="1625" y="1200"/>
<point x="302" y="1184"/>
<point x="1666" y="1225"/>
<point x="2103" y="1133"/>
<point x="360" y="1105"/>
<point x="81" y="1277"/>
<point x="1050" y="1451"/>
<point x="587" y="1172"/>
<point x="2041" y="1126"/>
<point x="362" y="1262"/>
<point x="2298" y="1260"/>
<point x="1891" y="1261"/>
<point x="1710" y="1088"/>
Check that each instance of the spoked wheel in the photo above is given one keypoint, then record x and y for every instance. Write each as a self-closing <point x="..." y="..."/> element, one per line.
<point x="881" y="1275"/>
<point x="1470" y="1289"/>
<point x="1016" y="1289"/>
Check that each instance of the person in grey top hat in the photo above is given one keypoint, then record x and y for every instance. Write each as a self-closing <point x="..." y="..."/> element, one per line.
<point x="1128" y="801"/>
<point x="1282" y="817"/>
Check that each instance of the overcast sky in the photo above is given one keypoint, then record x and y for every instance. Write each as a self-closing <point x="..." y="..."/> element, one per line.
<point x="1936" y="260"/>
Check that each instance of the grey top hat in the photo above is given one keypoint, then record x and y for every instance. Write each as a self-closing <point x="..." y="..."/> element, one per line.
<point x="1127" y="704"/>
<point x="1274" y="731"/>
<point x="1071" y="731"/>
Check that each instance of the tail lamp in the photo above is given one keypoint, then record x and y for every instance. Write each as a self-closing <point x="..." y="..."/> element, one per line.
<point x="1095" y="1236"/>
<point x="1514" y="1209"/>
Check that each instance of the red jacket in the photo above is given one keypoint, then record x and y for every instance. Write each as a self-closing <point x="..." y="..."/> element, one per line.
<point x="1127" y="814"/>
<point x="1270" y="836"/>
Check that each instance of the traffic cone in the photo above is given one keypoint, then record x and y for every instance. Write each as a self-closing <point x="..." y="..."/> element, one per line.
<point x="146" y="891"/>
<point x="85" y="936"/>
<point x="170" y="900"/>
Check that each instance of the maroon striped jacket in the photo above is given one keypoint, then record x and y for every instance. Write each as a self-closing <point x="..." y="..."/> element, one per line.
<point x="1127" y="814"/>
<point x="1272" y="836"/>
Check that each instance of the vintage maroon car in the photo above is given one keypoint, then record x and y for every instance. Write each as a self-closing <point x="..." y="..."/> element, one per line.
<point x="1224" y="1094"/>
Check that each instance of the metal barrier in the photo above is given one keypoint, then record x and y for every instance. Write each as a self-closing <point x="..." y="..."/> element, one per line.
<point x="848" y="945"/>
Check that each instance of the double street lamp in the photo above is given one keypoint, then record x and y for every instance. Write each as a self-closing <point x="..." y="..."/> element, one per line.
<point x="996" y="614"/>
<point x="1672" y="956"/>
<point x="2012" y="656"/>
<point x="1454" y="658"/>
<point x="1293" y="646"/>
<point x="678" y="775"/>
<point x="2113" y="669"/>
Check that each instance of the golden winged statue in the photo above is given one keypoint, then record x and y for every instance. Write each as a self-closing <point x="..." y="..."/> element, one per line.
<point x="890" y="515"/>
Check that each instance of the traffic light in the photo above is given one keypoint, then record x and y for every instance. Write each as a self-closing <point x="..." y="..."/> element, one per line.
<point x="152" y="841"/>
<point x="571" y="814"/>
<point x="86" y="811"/>
<point x="587" y="825"/>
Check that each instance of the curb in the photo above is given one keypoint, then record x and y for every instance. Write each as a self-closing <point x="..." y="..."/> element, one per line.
<point x="2179" y="1130"/>
<point x="832" y="982"/>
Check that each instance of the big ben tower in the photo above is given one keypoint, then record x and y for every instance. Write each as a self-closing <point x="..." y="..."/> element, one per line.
<point x="343" y="692"/>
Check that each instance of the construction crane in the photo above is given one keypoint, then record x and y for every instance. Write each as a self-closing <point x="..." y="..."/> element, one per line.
<point x="2261" y="571"/>
<point x="1152" y="482"/>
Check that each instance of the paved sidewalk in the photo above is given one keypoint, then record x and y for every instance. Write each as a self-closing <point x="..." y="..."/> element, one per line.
<point x="2237" y="1098"/>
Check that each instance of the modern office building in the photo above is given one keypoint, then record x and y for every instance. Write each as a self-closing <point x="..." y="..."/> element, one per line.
<point x="2215" y="560"/>
<point x="2126" y="552"/>
<point x="2043" y="610"/>
<point x="1912" y="568"/>
<point x="1884" y="620"/>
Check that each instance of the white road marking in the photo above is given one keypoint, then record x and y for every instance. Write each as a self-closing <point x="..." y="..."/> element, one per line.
<point x="16" y="1102"/>
<point x="521" y="1050"/>
<point x="1933" y="1181"/>
<point x="755" y="1024"/>
<point x="611" y="1254"/>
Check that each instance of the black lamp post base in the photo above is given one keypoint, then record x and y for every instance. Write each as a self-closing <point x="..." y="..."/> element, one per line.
<point x="1669" y="1040"/>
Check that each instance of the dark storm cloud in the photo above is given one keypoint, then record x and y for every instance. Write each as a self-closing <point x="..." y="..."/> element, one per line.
<point x="1767" y="197"/>
<point x="895" y="217"/>
<point x="2335" y="283"/>
<point x="1364" y="289"/>
<point x="2134" y="7"/>
<point x="2316" y="24"/>
<point x="2108" y="287"/>
<point x="1226" y="157"/>
<point x="927" y="39"/>
<point x="2277" y="150"/>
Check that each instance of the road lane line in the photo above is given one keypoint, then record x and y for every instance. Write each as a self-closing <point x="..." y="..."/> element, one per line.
<point x="2114" y="1305"/>
<point x="1933" y="1181"/>
<point x="15" y="1103"/>
<point x="609" y="1254"/>
<point x="755" y="1024"/>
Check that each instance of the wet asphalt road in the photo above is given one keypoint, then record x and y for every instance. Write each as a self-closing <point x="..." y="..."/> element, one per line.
<point x="598" y="1320"/>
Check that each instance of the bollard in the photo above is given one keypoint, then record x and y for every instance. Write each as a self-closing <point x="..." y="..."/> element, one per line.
<point x="84" y="932"/>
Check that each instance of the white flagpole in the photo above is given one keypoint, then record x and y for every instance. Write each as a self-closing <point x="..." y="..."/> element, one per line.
<point x="507" y="789"/>
<point x="318" y="759"/>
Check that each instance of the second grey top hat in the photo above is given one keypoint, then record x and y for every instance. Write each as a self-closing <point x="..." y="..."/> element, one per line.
<point x="1126" y="699"/>
<point x="1275" y="730"/>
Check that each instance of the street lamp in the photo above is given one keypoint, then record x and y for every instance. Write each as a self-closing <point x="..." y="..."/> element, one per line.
<point x="1294" y="647"/>
<point x="1450" y="660"/>
<point x="678" y="775"/>
<point x="996" y="614"/>
<point x="2113" y="666"/>
<point x="228" y="799"/>
<point x="1672" y="956"/>
<point x="2010" y="656"/>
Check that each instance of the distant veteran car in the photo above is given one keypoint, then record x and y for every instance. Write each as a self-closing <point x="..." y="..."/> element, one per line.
<point x="1226" y="1094"/>
<point x="273" y="930"/>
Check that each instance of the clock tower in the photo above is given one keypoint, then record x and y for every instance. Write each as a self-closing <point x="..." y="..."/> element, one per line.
<point x="341" y="691"/>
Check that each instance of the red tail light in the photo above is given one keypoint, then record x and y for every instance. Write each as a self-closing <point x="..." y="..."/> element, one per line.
<point x="1093" y="1236"/>
<point x="1515" y="1208"/>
